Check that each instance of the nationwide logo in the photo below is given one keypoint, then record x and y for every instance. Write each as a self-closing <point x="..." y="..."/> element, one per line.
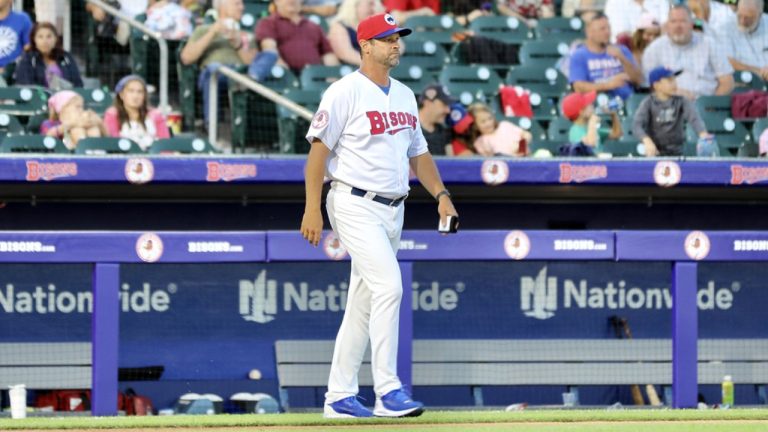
<point x="748" y="175"/>
<point x="494" y="172"/>
<point x="542" y="296"/>
<point x="13" y="246"/>
<point x="333" y="248"/>
<point x="48" y="171"/>
<point x="139" y="170"/>
<point x="697" y="245"/>
<point x="218" y="171"/>
<point x="570" y="173"/>
<point x="261" y="299"/>
<point x="149" y="247"/>
<point x="517" y="245"/>
<point x="667" y="173"/>
<point x="212" y="247"/>
<point x="48" y="299"/>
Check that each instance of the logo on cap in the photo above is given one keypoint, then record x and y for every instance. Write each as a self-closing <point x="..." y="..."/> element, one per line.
<point x="390" y="20"/>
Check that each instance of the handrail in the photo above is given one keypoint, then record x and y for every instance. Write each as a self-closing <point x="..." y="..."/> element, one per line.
<point x="164" y="107"/>
<point x="248" y="82"/>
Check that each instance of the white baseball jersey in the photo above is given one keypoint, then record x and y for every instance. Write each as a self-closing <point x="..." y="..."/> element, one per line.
<point x="371" y="135"/>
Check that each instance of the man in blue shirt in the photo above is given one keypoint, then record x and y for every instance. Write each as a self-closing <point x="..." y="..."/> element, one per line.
<point x="14" y="33"/>
<point x="599" y="66"/>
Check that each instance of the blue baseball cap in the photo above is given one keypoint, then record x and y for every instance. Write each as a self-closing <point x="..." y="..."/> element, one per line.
<point x="661" y="72"/>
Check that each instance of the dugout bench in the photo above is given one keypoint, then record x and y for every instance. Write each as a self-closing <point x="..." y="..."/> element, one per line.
<point x="564" y="362"/>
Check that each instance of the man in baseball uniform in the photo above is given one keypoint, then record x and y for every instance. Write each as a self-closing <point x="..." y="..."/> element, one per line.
<point x="364" y="136"/>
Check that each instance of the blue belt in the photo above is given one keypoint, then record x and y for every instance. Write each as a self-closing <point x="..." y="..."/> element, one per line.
<point x="379" y="199"/>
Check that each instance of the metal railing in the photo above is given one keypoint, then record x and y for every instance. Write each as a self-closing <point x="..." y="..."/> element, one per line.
<point x="250" y="84"/>
<point x="164" y="107"/>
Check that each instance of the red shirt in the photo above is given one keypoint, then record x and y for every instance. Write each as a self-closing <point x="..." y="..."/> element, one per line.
<point x="298" y="44"/>
<point x="408" y="5"/>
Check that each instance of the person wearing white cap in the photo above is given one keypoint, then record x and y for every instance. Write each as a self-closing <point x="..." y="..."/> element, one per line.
<point x="365" y="136"/>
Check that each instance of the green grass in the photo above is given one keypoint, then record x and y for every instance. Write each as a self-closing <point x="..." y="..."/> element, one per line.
<point x="544" y="420"/>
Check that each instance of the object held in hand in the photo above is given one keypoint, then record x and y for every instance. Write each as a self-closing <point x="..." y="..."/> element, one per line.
<point x="451" y="225"/>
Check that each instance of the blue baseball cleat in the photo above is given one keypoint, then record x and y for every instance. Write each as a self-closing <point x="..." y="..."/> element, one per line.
<point x="397" y="403"/>
<point x="346" y="408"/>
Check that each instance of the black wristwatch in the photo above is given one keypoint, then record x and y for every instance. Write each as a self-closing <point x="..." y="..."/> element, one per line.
<point x="441" y="193"/>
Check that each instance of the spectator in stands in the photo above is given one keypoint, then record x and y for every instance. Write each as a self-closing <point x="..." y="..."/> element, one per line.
<point x="46" y="63"/>
<point x="648" y="29"/>
<point x="131" y="117"/>
<point x="14" y="28"/>
<point x="715" y="17"/>
<point x="491" y="137"/>
<point x="749" y="39"/>
<point x="69" y="120"/>
<point x="296" y="40"/>
<point x="465" y="11"/>
<point x="586" y="129"/>
<point x="221" y="42"/>
<point x="705" y="67"/>
<point x="584" y="9"/>
<point x="600" y="66"/>
<point x="434" y="103"/>
<point x="625" y="15"/>
<point x="461" y="122"/>
<point x="108" y="26"/>
<point x="527" y="11"/>
<point x="401" y="10"/>
<point x="324" y="8"/>
<point x="660" y="119"/>
<point x="342" y="32"/>
<point x="170" y="19"/>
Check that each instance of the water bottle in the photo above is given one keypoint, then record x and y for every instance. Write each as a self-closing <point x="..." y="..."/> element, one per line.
<point x="727" y="388"/>
<point x="707" y="147"/>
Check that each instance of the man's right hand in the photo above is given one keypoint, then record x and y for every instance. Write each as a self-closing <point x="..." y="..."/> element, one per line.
<point x="312" y="226"/>
<point x="617" y="80"/>
<point x="650" y="148"/>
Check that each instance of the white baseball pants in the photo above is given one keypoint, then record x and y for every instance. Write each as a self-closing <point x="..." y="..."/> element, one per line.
<point x="370" y="231"/>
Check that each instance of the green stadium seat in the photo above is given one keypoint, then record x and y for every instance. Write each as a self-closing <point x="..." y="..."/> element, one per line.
<point x="182" y="145"/>
<point x="733" y="138"/>
<point x="23" y="101"/>
<point x="413" y="76"/>
<point x="559" y="129"/>
<point x="292" y="127"/>
<point x="632" y="103"/>
<point x="189" y="99"/>
<point x="252" y="14"/>
<point x="552" y="146"/>
<point x="530" y="125"/>
<point x="719" y="104"/>
<point x="544" y="80"/>
<point x="625" y="147"/>
<point x="542" y="52"/>
<point x="429" y="55"/>
<point x="321" y="21"/>
<point x="745" y="81"/>
<point x="32" y="144"/>
<point x="470" y="83"/>
<point x="319" y="77"/>
<point x="562" y="29"/>
<point x="505" y="29"/>
<point x="106" y="145"/>
<point x="145" y="55"/>
<point x="9" y="125"/>
<point x="95" y="99"/>
<point x="440" y="28"/>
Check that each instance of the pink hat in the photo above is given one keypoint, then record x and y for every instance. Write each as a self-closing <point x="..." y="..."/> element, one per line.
<point x="647" y="21"/>
<point x="58" y="100"/>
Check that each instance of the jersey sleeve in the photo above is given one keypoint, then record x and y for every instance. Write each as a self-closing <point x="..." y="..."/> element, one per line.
<point x="328" y="123"/>
<point x="419" y="144"/>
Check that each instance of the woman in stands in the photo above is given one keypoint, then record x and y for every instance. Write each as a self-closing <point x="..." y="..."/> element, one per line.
<point x="46" y="63"/>
<point x="131" y="117"/>
<point x="69" y="120"/>
<point x="342" y="32"/>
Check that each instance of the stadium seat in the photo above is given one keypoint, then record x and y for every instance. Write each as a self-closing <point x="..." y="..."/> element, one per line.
<point x="623" y="147"/>
<point x="733" y="138"/>
<point x="632" y="103"/>
<point x="505" y="29"/>
<point x="32" y="144"/>
<point x="719" y="104"/>
<point x="440" y="28"/>
<point x="745" y="81"/>
<point x="531" y="125"/>
<point x="430" y="55"/>
<point x="252" y="14"/>
<point x="106" y="145"/>
<point x="188" y="92"/>
<point x="95" y="99"/>
<point x="414" y="76"/>
<point x="321" y="21"/>
<point x="470" y="83"/>
<point x="558" y="129"/>
<point x="319" y="77"/>
<point x="145" y="58"/>
<point x="23" y="101"/>
<point x="9" y="124"/>
<point x="560" y="28"/>
<point x="291" y="126"/>
<point x="553" y="147"/>
<point x="254" y="118"/>
<point x="544" y="80"/>
<point x="182" y="145"/>
<point x="542" y="52"/>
